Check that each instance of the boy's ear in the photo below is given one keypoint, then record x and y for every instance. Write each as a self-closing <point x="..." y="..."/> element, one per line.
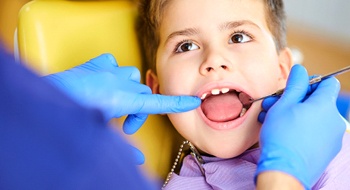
<point x="152" y="81"/>
<point x="285" y="62"/>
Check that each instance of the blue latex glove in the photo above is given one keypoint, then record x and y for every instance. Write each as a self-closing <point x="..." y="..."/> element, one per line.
<point x="116" y="91"/>
<point x="303" y="130"/>
<point x="270" y="101"/>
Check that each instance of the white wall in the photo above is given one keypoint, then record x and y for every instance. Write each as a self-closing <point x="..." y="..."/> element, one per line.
<point x="329" y="18"/>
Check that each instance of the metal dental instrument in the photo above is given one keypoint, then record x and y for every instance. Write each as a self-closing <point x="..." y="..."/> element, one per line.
<point x="312" y="81"/>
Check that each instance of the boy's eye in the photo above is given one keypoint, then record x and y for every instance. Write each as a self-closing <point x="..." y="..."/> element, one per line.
<point x="240" y="38"/>
<point x="186" y="46"/>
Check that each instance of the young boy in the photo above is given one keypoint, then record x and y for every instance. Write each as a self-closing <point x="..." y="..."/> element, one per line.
<point x="225" y="52"/>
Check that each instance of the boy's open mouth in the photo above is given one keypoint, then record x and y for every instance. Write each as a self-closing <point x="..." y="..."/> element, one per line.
<point x="223" y="105"/>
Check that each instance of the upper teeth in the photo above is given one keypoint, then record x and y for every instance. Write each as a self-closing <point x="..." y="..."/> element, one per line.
<point x="225" y="90"/>
<point x="203" y="96"/>
<point x="216" y="92"/>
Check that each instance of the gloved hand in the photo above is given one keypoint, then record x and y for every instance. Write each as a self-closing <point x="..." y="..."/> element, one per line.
<point x="270" y="101"/>
<point x="116" y="91"/>
<point x="303" y="130"/>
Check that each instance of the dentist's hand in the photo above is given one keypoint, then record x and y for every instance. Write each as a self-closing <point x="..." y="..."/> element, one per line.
<point x="303" y="130"/>
<point x="117" y="91"/>
<point x="267" y="103"/>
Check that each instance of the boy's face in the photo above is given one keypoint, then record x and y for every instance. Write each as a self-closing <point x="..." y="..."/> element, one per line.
<point x="208" y="46"/>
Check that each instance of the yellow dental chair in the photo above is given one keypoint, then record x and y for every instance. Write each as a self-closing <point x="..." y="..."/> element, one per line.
<point x="54" y="35"/>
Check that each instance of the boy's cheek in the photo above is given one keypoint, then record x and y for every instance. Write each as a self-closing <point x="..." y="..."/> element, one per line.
<point x="174" y="86"/>
<point x="282" y="83"/>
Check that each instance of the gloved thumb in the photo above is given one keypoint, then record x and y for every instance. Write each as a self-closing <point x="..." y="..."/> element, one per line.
<point x="266" y="105"/>
<point x="103" y="62"/>
<point x="107" y="63"/>
<point x="133" y="123"/>
<point x="138" y="157"/>
<point x="297" y="86"/>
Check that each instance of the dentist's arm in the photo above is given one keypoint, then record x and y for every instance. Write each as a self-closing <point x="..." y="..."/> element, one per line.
<point x="294" y="127"/>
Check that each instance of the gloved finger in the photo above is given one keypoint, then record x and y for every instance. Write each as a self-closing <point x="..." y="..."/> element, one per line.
<point x="136" y="87"/>
<point x="297" y="85"/>
<point x="104" y="62"/>
<point x="313" y="76"/>
<point x="107" y="63"/>
<point x="158" y="104"/>
<point x="327" y="90"/>
<point x="261" y="116"/>
<point x="312" y="87"/>
<point x="113" y="83"/>
<point x="138" y="156"/>
<point x="269" y="102"/>
<point x="343" y="104"/>
<point x="128" y="72"/>
<point x="133" y="122"/>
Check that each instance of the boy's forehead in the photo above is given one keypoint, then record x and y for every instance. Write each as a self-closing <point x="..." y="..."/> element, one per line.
<point x="181" y="14"/>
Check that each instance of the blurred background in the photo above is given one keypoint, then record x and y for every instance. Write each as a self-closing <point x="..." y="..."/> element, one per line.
<point x="319" y="29"/>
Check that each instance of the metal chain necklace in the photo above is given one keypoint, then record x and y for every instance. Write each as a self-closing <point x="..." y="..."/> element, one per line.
<point x="194" y="152"/>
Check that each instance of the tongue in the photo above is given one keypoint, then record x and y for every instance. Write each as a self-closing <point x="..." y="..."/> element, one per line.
<point x="223" y="107"/>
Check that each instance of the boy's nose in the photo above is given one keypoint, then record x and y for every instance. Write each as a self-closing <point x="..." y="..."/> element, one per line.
<point x="215" y="64"/>
<point x="211" y="69"/>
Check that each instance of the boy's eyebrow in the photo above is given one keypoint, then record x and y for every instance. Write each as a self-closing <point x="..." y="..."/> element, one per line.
<point x="185" y="32"/>
<point x="235" y="24"/>
<point x="225" y="26"/>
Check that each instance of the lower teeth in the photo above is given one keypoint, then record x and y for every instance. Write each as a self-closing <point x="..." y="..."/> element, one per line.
<point x="244" y="110"/>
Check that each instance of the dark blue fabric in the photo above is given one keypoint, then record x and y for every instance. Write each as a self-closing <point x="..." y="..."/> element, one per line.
<point x="47" y="141"/>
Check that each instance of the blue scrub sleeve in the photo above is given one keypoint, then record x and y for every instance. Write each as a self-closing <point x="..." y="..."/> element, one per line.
<point x="47" y="141"/>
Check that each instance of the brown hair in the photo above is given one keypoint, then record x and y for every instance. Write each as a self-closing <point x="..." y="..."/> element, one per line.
<point x="150" y="15"/>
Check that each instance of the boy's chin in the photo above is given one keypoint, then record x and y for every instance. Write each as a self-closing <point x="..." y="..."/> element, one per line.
<point x="226" y="153"/>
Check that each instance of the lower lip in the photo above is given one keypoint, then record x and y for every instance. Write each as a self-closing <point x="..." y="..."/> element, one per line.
<point x="223" y="125"/>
